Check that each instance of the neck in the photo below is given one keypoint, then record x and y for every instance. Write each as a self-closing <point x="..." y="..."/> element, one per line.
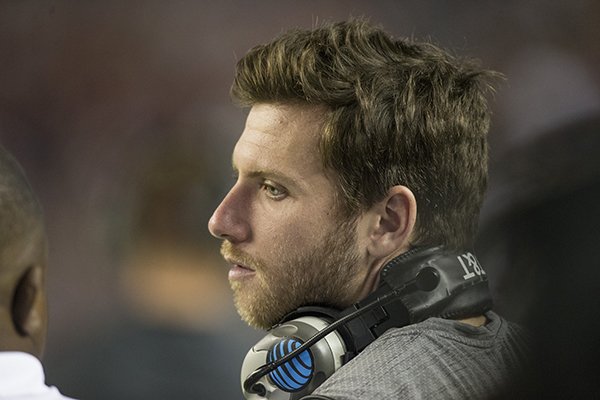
<point x="477" y="322"/>
<point x="10" y="340"/>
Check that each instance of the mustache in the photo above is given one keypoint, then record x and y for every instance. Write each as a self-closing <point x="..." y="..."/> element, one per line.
<point x="231" y="253"/>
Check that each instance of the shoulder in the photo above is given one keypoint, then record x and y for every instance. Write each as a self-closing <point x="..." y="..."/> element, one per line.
<point x="436" y="359"/>
<point x="386" y="368"/>
<point x="316" y="397"/>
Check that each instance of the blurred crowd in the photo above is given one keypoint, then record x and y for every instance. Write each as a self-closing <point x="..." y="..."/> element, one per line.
<point x="120" y="114"/>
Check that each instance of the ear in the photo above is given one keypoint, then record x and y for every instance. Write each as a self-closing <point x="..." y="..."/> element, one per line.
<point x="29" y="305"/>
<point x="393" y="223"/>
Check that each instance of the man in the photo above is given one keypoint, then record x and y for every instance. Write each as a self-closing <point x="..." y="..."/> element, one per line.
<point x="358" y="148"/>
<point x="22" y="293"/>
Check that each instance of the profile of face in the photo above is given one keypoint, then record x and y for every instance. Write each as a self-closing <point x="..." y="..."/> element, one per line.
<point x="282" y="233"/>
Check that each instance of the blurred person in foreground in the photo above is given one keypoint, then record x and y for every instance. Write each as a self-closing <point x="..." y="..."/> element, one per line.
<point x="23" y="259"/>
<point x="364" y="157"/>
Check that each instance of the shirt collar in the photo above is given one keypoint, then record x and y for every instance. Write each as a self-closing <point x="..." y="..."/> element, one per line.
<point x="21" y="374"/>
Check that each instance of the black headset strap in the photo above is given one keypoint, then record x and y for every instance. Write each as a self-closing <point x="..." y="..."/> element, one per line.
<point x="460" y="290"/>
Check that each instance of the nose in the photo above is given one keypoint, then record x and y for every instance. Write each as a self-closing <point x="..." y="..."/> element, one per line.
<point x="230" y="219"/>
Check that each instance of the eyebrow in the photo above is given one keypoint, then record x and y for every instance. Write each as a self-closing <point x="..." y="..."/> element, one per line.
<point x="280" y="176"/>
<point x="271" y="173"/>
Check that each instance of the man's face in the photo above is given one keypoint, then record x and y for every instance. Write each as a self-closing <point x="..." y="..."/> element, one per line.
<point x="281" y="230"/>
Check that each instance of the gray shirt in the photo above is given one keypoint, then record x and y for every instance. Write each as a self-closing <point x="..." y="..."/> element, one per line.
<point x="434" y="359"/>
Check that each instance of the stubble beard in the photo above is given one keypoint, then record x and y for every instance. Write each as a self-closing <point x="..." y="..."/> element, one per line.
<point x="327" y="274"/>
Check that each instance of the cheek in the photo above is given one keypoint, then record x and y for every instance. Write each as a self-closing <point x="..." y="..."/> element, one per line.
<point x="288" y="239"/>
<point x="292" y="239"/>
<point x="293" y="227"/>
<point x="285" y="219"/>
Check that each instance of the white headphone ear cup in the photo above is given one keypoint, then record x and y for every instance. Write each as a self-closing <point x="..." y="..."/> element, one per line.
<point x="332" y="348"/>
<point x="327" y="356"/>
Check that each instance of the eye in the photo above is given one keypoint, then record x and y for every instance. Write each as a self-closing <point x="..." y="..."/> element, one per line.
<point x="273" y="191"/>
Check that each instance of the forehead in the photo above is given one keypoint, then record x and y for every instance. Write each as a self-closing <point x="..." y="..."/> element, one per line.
<point x="281" y="137"/>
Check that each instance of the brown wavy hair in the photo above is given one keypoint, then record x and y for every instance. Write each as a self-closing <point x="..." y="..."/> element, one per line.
<point x="400" y="112"/>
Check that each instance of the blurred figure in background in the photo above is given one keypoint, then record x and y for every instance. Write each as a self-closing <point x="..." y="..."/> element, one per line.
<point x="175" y="339"/>
<point x="23" y="259"/>
<point x="544" y="233"/>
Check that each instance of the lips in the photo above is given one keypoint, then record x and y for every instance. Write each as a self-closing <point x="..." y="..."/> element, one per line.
<point x="236" y="262"/>
<point x="242" y="264"/>
<point x="238" y="271"/>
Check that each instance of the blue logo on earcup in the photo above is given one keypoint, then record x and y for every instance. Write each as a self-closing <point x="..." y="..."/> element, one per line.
<point x="295" y="374"/>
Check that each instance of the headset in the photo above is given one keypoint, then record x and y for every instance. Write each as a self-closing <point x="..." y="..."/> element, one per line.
<point x="311" y="343"/>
